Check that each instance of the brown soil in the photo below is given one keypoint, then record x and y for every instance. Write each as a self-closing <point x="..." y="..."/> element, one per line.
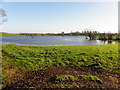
<point x="45" y="78"/>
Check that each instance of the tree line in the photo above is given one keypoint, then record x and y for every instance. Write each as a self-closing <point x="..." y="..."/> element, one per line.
<point x="92" y="35"/>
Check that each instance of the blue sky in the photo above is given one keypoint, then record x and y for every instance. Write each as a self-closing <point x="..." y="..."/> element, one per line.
<point x="44" y="17"/>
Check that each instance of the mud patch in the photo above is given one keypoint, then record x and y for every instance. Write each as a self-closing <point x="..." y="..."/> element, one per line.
<point x="43" y="78"/>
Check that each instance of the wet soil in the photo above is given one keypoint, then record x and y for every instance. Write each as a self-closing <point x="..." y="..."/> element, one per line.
<point x="45" y="78"/>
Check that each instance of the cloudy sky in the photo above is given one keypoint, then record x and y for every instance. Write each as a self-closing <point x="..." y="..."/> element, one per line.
<point x="44" y="17"/>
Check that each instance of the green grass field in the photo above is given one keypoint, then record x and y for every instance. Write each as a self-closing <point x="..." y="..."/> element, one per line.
<point x="8" y="34"/>
<point x="17" y="60"/>
<point x="40" y="57"/>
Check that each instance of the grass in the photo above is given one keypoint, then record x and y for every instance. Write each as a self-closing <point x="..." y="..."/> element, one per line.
<point x="59" y="80"/>
<point x="65" y="78"/>
<point x="8" y="34"/>
<point x="90" y="78"/>
<point x="18" y="57"/>
<point x="76" y="78"/>
<point x="36" y="57"/>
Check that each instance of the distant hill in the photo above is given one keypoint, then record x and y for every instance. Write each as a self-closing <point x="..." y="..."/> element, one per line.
<point x="8" y="34"/>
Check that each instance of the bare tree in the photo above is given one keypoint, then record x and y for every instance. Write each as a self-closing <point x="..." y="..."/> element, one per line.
<point x="2" y="16"/>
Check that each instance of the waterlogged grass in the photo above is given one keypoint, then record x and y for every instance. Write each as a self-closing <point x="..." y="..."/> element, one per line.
<point x="40" y="57"/>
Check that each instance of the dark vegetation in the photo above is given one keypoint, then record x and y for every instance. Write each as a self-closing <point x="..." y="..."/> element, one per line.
<point x="88" y="66"/>
<point x="92" y="35"/>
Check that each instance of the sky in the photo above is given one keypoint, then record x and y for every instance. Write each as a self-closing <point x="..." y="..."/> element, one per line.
<point x="55" y="17"/>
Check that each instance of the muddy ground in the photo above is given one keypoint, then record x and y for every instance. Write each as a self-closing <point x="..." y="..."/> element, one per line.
<point x="45" y="78"/>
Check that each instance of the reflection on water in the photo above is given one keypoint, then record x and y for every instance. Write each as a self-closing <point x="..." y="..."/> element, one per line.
<point x="108" y="42"/>
<point x="51" y="40"/>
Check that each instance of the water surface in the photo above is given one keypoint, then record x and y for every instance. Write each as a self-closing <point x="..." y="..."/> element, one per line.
<point x="50" y="40"/>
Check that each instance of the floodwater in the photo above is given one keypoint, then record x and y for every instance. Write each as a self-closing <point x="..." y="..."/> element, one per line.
<point x="51" y="40"/>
